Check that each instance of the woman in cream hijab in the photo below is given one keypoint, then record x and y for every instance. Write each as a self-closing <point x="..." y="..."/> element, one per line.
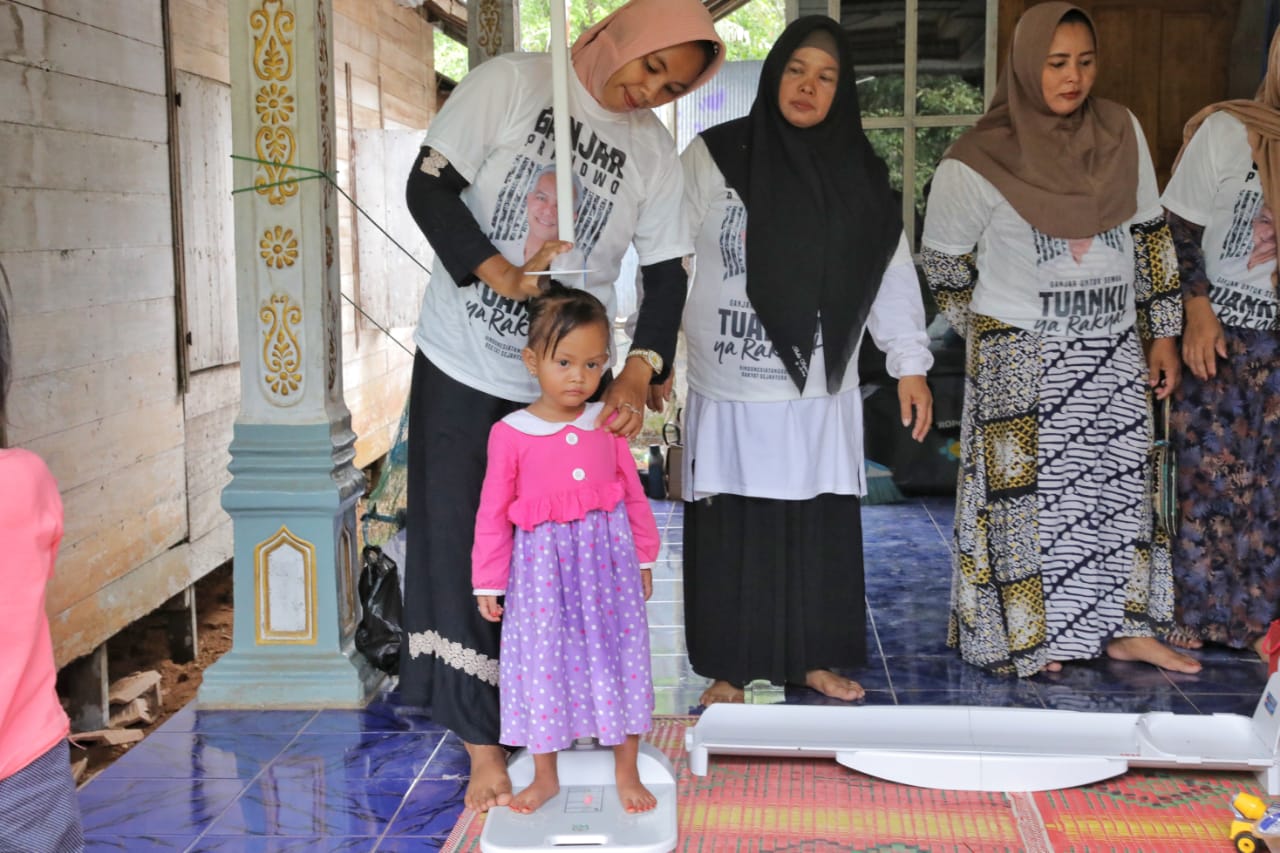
<point x="1047" y="248"/>
<point x="1226" y="421"/>
<point x="468" y="190"/>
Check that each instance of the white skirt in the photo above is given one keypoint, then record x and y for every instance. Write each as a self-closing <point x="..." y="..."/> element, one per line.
<point x="786" y="450"/>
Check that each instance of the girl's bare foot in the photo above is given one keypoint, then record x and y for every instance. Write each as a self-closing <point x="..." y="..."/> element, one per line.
<point x="489" y="785"/>
<point x="721" y="691"/>
<point x="545" y="785"/>
<point x="828" y="683"/>
<point x="1184" y="637"/>
<point x="1152" y="651"/>
<point x="1052" y="666"/>
<point x="531" y="798"/>
<point x="634" y="795"/>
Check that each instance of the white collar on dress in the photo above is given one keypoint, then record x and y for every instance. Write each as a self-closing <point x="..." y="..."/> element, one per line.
<point x="530" y="424"/>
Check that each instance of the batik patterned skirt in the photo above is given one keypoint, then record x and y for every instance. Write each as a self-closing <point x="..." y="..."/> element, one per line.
<point x="1055" y="553"/>
<point x="575" y="638"/>
<point x="1227" y="432"/>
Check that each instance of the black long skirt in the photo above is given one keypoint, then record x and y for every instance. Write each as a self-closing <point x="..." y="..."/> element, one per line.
<point x="773" y="588"/>
<point x="449" y="653"/>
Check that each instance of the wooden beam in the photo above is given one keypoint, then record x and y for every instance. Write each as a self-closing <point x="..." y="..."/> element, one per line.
<point x="451" y="16"/>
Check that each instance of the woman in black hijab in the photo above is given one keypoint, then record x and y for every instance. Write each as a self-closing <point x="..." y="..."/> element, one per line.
<point x="773" y="583"/>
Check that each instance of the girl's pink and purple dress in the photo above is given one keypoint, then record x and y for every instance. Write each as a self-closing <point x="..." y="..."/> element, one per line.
<point x="563" y="530"/>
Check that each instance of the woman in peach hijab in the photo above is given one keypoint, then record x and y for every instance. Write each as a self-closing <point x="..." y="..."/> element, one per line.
<point x="468" y="191"/>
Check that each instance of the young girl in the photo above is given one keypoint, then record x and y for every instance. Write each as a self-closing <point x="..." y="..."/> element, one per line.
<point x="38" y="808"/>
<point x="563" y="518"/>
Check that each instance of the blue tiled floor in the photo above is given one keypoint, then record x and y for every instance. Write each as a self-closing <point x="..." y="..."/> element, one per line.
<point x="390" y="780"/>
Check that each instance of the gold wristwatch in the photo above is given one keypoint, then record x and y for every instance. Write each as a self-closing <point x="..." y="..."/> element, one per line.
<point x="649" y="357"/>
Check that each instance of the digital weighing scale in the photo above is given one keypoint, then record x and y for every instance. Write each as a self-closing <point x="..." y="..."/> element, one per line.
<point x="587" y="815"/>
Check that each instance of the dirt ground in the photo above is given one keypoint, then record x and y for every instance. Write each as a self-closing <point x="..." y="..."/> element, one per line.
<point x="144" y="645"/>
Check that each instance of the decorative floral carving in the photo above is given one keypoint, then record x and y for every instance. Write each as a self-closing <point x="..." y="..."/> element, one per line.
<point x="276" y="144"/>
<point x="275" y="104"/>
<point x="490" y="21"/>
<point x="272" y="28"/>
<point x="281" y="353"/>
<point x="333" y="325"/>
<point x="279" y="247"/>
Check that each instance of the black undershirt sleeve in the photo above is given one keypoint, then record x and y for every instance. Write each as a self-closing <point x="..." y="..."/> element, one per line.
<point x="658" y="324"/>
<point x="436" y="204"/>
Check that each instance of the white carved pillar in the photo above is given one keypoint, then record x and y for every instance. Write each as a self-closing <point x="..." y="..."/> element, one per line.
<point x="293" y="489"/>
<point x="493" y="27"/>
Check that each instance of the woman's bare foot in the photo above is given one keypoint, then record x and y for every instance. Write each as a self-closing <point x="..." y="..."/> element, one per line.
<point x="545" y="785"/>
<point x="721" y="691"/>
<point x="634" y="795"/>
<point x="1152" y="651"/>
<point x="490" y="785"/>
<point x="1184" y="637"/>
<point x="1052" y="666"/>
<point x="828" y="683"/>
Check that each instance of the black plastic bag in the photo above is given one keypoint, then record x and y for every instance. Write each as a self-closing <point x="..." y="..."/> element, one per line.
<point x="378" y="634"/>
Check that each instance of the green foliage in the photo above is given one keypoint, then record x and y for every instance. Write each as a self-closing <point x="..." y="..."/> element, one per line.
<point x="535" y="20"/>
<point x="749" y="32"/>
<point x="936" y="94"/>
<point x="450" y="57"/>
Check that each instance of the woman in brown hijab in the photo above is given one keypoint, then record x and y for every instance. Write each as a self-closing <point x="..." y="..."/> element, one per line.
<point x="1226" y="421"/>
<point x="1046" y="246"/>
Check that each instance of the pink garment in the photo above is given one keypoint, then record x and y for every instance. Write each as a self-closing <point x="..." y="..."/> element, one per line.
<point x="540" y="471"/>
<point x="31" y="718"/>
<point x="638" y="28"/>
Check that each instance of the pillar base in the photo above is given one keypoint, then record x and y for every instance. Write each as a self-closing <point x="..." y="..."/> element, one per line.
<point x="302" y="679"/>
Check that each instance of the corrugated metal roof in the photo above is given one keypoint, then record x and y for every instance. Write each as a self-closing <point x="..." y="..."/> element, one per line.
<point x="727" y="96"/>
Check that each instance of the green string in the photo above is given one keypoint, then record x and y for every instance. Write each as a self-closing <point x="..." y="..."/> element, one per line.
<point x="312" y="174"/>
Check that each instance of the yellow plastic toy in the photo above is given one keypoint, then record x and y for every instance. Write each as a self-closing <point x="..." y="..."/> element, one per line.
<point x="1255" y="821"/>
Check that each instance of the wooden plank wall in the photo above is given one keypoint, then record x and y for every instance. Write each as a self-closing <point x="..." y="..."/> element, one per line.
<point x="85" y="237"/>
<point x="390" y="52"/>
<point x="86" y="242"/>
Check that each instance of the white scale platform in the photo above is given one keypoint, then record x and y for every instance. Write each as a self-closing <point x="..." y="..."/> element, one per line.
<point x="586" y="815"/>
<point x="930" y="746"/>
<point x="995" y="749"/>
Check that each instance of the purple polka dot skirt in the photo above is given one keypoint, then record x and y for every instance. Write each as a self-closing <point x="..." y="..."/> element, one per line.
<point x="575" y="641"/>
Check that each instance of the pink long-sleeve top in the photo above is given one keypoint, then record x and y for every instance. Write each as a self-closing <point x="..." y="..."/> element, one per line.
<point x="31" y="718"/>
<point x="542" y="471"/>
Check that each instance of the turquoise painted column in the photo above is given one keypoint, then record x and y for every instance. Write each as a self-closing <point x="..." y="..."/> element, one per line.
<point x="294" y="488"/>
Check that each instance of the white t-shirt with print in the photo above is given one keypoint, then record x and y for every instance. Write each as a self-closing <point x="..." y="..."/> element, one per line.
<point x="1032" y="280"/>
<point x="730" y="355"/>
<point x="748" y="429"/>
<point x="496" y="130"/>
<point x="1216" y="185"/>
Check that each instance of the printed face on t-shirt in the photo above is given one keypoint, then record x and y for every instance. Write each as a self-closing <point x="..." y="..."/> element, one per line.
<point x="540" y="204"/>
<point x="1264" y="238"/>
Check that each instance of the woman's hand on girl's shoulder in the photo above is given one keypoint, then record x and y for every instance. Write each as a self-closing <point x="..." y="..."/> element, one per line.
<point x="490" y="609"/>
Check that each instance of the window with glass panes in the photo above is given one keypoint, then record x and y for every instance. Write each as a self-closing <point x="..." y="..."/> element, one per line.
<point x="925" y="69"/>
